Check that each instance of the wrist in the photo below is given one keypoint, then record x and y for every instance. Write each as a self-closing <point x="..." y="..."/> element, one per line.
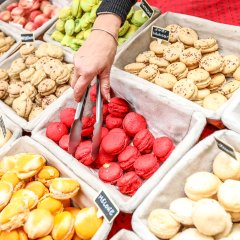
<point x="103" y="21"/>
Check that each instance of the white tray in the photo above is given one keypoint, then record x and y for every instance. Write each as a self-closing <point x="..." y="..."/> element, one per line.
<point x="125" y="235"/>
<point x="227" y="36"/>
<point x="29" y="126"/>
<point x="15" y="130"/>
<point x="86" y="195"/>
<point x="17" y="29"/>
<point x="199" y="158"/>
<point x="164" y="117"/>
<point x="47" y="35"/>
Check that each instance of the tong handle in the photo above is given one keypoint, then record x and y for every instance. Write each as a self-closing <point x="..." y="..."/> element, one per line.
<point x="99" y="102"/>
<point x="81" y="105"/>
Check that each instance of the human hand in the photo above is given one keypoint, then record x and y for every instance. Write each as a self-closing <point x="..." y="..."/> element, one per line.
<point x="96" y="56"/>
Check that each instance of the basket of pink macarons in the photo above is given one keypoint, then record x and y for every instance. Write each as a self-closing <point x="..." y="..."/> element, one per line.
<point x="143" y="136"/>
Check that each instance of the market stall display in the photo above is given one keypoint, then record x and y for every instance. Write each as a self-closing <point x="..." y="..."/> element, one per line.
<point x="32" y="80"/>
<point x="194" y="65"/>
<point x="74" y="24"/>
<point x="159" y="119"/>
<point x="44" y="197"/>
<point x="30" y="16"/>
<point x="9" y="132"/>
<point x="198" y="195"/>
<point x="125" y="235"/>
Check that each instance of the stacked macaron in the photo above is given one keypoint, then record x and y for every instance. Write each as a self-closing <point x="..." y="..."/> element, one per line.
<point x="129" y="153"/>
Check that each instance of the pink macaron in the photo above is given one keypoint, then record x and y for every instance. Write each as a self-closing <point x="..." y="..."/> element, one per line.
<point x="133" y="123"/>
<point x="118" y="107"/>
<point x="56" y="130"/>
<point x="103" y="158"/>
<point x="110" y="172"/>
<point x="64" y="142"/>
<point x="143" y="141"/>
<point x="84" y="153"/>
<point x="146" y="165"/>
<point x="163" y="147"/>
<point x="113" y="122"/>
<point x="129" y="183"/>
<point x="67" y="116"/>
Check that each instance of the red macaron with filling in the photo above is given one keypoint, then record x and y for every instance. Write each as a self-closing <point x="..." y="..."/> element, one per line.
<point x="143" y="141"/>
<point x="118" y="107"/>
<point x="103" y="158"/>
<point x="129" y="183"/>
<point x="115" y="141"/>
<point x="163" y="147"/>
<point x="133" y="123"/>
<point x="146" y="165"/>
<point x="113" y="122"/>
<point x="110" y="172"/>
<point x="56" y="130"/>
<point x="127" y="158"/>
<point x="67" y="116"/>
<point x="87" y="126"/>
<point x="64" y="142"/>
<point x="84" y="153"/>
<point x="104" y="132"/>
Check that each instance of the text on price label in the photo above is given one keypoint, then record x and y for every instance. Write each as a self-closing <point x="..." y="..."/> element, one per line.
<point x="228" y="149"/>
<point x="107" y="207"/>
<point x="160" y="33"/>
<point x="27" y="37"/>
<point x="2" y="126"/>
<point x="147" y="8"/>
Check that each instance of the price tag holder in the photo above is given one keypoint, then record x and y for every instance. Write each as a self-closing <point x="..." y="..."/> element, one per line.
<point x="106" y="206"/>
<point x="145" y="6"/>
<point x="228" y="149"/>
<point x="160" y="33"/>
<point x="27" y="38"/>
<point x="3" y="127"/>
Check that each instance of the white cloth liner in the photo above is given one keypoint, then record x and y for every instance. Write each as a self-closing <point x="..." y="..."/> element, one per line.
<point x="125" y="235"/>
<point x="28" y="126"/>
<point x="164" y="117"/>
<point x="17" y="29"/>
<point x="15" y="130"/>
<point x="228" y="40"/>
<point x="231" y="116"/>
<point x="14" y="47"/>
<point x="86" y="195"/>
<point x="47" y="35"/>
<point x="199" y="158"/>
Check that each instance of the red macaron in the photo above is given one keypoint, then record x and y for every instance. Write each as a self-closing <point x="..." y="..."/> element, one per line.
<point x="55" y="131"/>
<point x="64" y="142"/>
<point x="118" y="107"/>
<point x="143" y="141"/>
<point x="113" y="122"/>
<point x="115" y="141"/>
<point x="129" y="183"/>
<point x="127" y="158"/>
<point x="146" y="165"/>
<point x="104" y="111"/>
<point x="163" y="147"/>
<point x="84" y="153"/>
<point x="110" y="172"/>
<point x="67" y="116"/>
<point x="104" y="132"/>
<point x="93" y="94"/>
<point x="88" y="126"/>
<point x="103" y="158"/>
<point x="133" y="123"/>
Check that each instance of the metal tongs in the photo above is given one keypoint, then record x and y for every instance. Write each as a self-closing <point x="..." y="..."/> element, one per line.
<point x="76" y="129"/>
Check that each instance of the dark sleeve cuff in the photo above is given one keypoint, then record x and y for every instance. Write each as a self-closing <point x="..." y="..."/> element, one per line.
<point x="118" y="7"/>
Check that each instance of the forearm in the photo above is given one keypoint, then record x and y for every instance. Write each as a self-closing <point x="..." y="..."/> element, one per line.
<point x="118" y="7"/>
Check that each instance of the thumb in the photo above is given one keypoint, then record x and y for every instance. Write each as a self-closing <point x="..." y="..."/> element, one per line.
<point x="105" y="85"/>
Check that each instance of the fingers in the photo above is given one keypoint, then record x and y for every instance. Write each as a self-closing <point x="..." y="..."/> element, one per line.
<point x="75" y="78"/>
<point x="105" y="86"/>
<point x="81" y="86"/>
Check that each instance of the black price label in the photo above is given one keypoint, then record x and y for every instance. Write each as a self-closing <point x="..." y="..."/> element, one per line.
<point x="3" y="128"/>
<point x="107" y="207"/>
<point x="145" y="6"/>
<point x="27" y="37"/>
<point x="226" y="148"/>
<point x="160" y="33"/>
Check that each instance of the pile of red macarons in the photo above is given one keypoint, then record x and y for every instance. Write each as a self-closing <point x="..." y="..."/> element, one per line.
<point x="128" y="154"/>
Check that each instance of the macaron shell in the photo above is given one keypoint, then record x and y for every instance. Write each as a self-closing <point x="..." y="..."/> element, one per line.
<point x="55" y="131"/>
<point x="162" y="146"/>
<point x="67" y="116"/>
<point x="146" y="165"/>
<point x="133" y="123"/>
<point x="143" y="141"/>
<point x="129" y="183"/>
<point x="118" y="107"/>
<point x="84" y="153"/>
<point x="127" y="158"/>
<point x="113" y="122"/>
<point x="110" y="172"/>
